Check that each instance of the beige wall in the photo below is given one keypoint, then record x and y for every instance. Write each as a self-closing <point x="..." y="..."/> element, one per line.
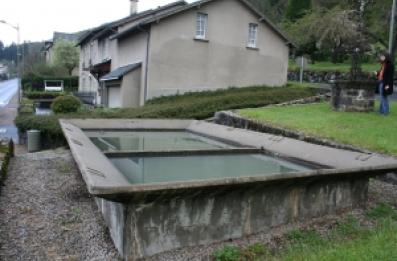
<point x="130" y="89"/>
<point x="133" y="50"/>
<point x="178" y="63"/>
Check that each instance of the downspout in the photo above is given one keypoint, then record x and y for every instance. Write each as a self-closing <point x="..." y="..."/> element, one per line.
<point x="146" y="90"/>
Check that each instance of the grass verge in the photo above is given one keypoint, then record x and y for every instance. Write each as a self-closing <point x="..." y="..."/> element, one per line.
<point x="348" y="240"/>
<point x="366" y="130"/>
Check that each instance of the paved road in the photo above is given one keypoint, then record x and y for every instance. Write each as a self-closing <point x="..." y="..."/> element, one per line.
<point x="8" y="89"/>
<point x="8" y="109"/>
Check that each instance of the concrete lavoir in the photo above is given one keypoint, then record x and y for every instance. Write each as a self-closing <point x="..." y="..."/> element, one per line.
<point x="146" y="219"/>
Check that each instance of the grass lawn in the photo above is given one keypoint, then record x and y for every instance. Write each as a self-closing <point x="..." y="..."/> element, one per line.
<point x="340" y="67"/>
<point x="366" y="130"/>
<point x="349" y="240"/>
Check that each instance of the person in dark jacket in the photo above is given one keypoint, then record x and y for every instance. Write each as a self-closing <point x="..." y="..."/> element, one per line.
<point x="385" y="80"/>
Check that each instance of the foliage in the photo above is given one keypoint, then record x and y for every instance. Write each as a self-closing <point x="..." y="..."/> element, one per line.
<point x="66" y="54"/>
<point x="188" y="106"/>
<point x="42" y="95"/>
<point x="357" y="129"/>
<point x="296" y="9"/>
<point x="66" y="104"/>
<point x="334" y="67"/>
<point x="34" y="82"/>
<point x="26" y="106"/>
<point x="228" y="253"/>
<point x="314" y="28"/>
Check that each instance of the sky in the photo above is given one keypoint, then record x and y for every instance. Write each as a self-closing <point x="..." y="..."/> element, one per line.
<point x="38" y="19"/>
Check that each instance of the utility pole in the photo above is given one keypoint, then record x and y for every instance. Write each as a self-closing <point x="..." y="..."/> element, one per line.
<point x="392" y="22"/>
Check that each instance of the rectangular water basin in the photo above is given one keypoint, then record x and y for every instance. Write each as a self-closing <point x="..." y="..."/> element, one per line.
<point x="146" y="170"/>
<point x="152" y="141"/>
<point x="168" y="184"/>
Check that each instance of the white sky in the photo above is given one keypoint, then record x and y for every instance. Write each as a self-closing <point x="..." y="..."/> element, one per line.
<point x="38" y="19"/>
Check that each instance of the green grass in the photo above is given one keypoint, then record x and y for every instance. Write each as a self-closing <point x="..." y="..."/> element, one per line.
<point x="366" y="130"/>
<point x="337" y="67"/>
<point x="348" y="240"/>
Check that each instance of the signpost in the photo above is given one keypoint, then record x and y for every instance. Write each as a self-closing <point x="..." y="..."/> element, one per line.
<point x="302" y="63"/>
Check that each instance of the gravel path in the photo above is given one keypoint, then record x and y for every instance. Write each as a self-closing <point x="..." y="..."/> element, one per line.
<point x="47" y="214"/>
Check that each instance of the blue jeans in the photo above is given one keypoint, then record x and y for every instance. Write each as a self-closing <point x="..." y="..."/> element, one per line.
<point x="384" y="101"/>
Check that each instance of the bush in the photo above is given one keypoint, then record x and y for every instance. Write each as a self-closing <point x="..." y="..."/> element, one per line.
<point x="66" y="104"/>
<point x="33" y="82"/>
<point x="26" y="106"/>
<point x="228" y="253"/>
<point x="42" y="95"/>
<point x="188" y="106"/>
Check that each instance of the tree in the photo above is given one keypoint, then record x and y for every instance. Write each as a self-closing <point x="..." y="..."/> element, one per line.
<point x="297" y="9"/>
<point x="335" y="30"/>
<point x="66" y="55"/>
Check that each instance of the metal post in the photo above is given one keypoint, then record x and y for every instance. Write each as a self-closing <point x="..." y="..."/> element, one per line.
<point x="301" y="72"/>
<point x="392" y="21"/>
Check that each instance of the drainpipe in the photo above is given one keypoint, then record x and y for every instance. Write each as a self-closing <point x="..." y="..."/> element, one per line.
<point x="146" y="90"/>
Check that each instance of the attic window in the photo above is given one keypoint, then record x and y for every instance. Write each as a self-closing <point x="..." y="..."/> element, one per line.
<point x="252" y="35"/>
<point x="201" y="26"/>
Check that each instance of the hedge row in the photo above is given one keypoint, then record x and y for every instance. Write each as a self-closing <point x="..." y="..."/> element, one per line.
<point x="188" y="106"/>
<point x="34" y="82"/>
<point x="7" y="152"/>
<point x="42" y="95"/>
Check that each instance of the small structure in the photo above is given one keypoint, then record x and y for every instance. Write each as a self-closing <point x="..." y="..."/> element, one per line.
<point x="353" y="96"/>
<point x="53" y="86"/>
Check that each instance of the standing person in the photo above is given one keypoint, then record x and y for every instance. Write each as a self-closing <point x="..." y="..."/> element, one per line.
<point x="386" y="80"/>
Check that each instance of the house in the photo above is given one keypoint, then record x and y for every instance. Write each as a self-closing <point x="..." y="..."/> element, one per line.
<point x="59" y="36"/>
<point x="205" y="45"/>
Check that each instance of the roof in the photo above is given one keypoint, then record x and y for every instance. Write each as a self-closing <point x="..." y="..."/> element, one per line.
<point x="104" y="29"/>
<point x="120" y="72"/>
<point x="197" y="4"/>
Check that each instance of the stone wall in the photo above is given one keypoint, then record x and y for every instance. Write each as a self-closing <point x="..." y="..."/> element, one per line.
<point x="160" y="222"/>
<point x="321" y="76"/>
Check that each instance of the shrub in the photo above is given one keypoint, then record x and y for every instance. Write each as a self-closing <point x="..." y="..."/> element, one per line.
<point x="66" y="104"/>
<point x="26" y="106"/>
<point x="42" y="95"/>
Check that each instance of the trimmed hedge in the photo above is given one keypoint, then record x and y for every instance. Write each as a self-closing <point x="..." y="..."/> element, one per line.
<point x="42" y="95"/>
<point x="34" y="82"/>
<point x="7" y="152"/>
<point x="189" y="106"/>
<point x="26" y="106"/>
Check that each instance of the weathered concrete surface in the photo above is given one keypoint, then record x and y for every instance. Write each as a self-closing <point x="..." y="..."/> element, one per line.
<point x="161" y="222"/>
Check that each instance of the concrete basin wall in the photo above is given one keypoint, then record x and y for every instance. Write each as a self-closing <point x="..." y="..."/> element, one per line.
<point x="162" y="222"/>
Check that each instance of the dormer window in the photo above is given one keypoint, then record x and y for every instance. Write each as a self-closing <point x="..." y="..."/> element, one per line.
<point x="253" y="36"/>
<point x="201" y="26"/>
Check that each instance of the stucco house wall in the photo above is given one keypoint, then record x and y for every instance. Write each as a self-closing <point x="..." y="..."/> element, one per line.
<point x="134" y="50"/>
<point x="178" y="63"/>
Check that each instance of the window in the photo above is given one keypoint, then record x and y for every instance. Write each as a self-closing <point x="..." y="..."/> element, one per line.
<point x="201" y="26"/>
<point x="252" y="35"/>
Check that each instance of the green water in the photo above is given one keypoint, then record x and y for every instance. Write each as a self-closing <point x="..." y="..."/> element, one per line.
<point x="170" y="169"/>
<point x="153" y="141"/>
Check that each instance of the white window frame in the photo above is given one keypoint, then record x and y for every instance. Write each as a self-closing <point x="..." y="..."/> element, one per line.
<point x="253" y="35"/>
<point x="201" y="26"/>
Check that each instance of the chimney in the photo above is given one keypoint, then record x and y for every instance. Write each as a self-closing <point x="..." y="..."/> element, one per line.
<point x="134" y="7"/>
